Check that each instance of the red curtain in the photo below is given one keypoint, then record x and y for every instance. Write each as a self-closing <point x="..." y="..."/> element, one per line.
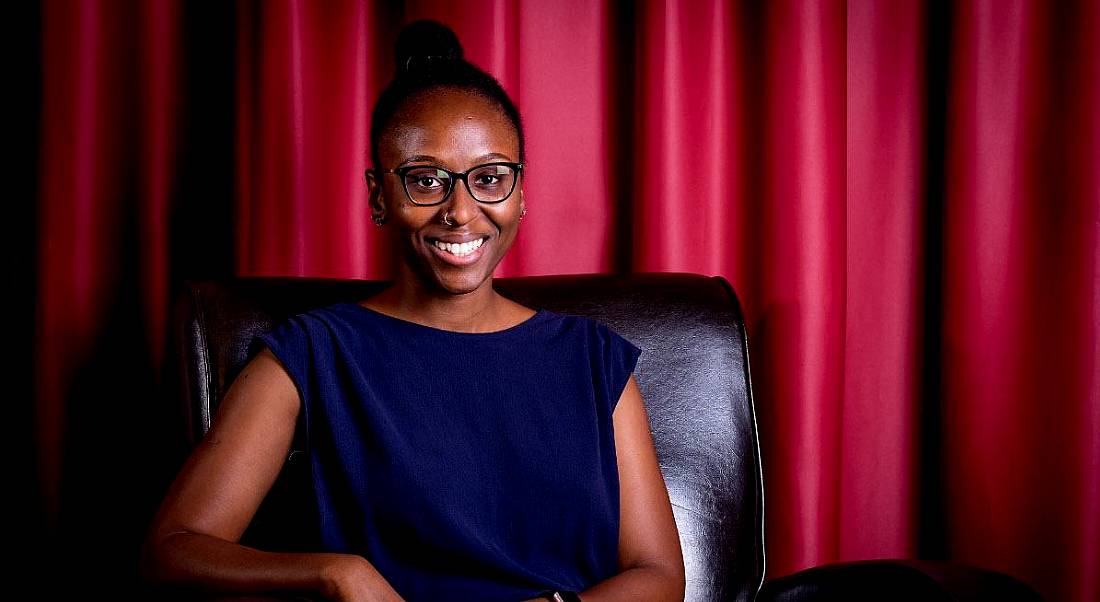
<point x="905" y="195"/>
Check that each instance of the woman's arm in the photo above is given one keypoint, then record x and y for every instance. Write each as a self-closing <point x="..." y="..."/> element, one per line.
<point x="651" y="563"/>
<point x="192" y="541"/>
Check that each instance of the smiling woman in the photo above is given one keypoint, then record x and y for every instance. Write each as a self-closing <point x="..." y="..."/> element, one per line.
<point x="462" y="445"/>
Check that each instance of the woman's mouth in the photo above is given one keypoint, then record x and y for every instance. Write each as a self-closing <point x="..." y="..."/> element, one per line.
<point x="459" y="254"/>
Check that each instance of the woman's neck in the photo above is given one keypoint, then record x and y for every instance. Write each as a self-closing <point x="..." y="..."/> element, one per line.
<point x="480" y="310"/>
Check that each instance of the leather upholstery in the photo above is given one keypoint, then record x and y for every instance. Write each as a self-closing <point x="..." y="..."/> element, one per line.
<point x="693" y="373"/>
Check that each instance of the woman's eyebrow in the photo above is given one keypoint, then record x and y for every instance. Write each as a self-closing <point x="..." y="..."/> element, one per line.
<point x="430" y="158"/>
<point x="492" y="156"/>
<point x="419" y="158"/>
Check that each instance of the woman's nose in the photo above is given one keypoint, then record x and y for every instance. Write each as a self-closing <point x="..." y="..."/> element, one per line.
<point x="461" y="207"/>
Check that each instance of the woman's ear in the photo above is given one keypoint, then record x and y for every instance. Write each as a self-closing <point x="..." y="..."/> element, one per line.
<point x="375" y="200"/>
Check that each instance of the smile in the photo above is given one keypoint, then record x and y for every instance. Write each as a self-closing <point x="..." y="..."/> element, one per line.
<point x="459" y="255"/>
<point x="458" y="250"/>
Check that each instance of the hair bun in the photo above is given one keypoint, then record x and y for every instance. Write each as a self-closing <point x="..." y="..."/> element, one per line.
<point x="422" y="42"/>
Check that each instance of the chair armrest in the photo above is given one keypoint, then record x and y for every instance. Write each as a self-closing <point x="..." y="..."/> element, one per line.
<point x="900" y="580"/>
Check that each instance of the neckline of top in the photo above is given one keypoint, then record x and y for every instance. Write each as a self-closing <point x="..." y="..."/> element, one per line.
<point x="531" y="320"/>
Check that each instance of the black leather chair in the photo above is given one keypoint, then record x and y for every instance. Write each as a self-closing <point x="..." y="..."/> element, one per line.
<point x="694" y="376"/>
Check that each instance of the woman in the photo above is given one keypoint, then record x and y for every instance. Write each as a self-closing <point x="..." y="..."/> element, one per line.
<point x="499" y="453"/>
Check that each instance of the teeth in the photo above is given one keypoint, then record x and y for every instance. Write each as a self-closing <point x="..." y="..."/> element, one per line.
<point x="458" y="249"/>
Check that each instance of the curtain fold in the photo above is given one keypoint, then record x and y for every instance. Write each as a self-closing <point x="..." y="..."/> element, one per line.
<point x="879" y="489"/>
<point x="1021" y="225"/>
<point x="904" y="194"/>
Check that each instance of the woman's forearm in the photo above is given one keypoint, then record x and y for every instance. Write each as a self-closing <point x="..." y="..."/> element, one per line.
<point x="642" y="584"/>
<point x="203" y="563"/>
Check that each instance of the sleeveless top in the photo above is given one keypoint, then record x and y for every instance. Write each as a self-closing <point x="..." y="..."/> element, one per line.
<point x="470" y="466"/>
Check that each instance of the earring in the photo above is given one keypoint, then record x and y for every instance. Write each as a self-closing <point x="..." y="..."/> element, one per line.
<point x="378" y="220"/>
<point x="522" y="212"/>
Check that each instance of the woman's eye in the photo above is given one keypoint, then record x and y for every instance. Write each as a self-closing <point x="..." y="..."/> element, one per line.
<point x="427" y="182"/>
<point x="487" y="180"/>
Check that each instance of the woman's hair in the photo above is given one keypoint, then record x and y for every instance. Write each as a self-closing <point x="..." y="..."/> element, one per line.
<point x="429" y="57"/>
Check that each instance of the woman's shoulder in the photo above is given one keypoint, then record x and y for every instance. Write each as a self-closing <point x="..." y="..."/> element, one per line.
<point x="312" y="324"/>
<point x="592" y="329"/>
<point x="579" y="320"/>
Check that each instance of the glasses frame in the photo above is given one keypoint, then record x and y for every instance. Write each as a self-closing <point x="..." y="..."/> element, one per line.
<point x="454" y="175"/>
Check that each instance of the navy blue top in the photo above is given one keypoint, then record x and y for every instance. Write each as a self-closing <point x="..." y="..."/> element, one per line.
<point x="468" y="466"/>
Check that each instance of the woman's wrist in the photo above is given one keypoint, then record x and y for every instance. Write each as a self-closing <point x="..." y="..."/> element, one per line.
<point x="559" y="595"/>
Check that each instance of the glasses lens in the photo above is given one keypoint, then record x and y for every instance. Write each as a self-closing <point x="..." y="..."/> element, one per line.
<point x="427" y="184"/>
<point x="492" y="183"/>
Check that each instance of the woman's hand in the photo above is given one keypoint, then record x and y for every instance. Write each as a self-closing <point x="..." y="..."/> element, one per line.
<point x="353" y="579"/>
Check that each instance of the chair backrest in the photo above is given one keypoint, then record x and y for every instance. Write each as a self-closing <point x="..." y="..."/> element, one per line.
<point x="693" y="373"/>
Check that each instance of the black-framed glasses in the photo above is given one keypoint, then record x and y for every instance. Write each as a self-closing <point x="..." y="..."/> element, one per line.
<point x="431" y="185"/>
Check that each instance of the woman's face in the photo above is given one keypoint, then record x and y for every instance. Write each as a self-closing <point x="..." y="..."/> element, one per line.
<point x="455" y="130"/>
